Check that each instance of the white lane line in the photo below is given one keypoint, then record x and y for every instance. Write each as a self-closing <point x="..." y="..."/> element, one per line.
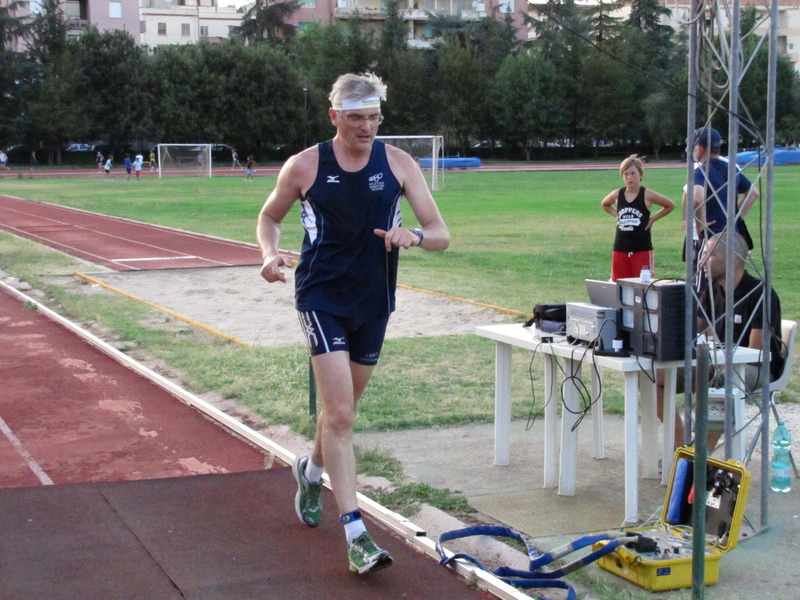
<point x="122" y="260"/>
<point x="32" y="464"/>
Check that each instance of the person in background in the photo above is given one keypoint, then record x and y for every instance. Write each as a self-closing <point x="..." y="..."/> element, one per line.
<point x="630" y="205"/>
<point x="153" y="164"/>
<point x="748" y="323"/>
<point x="3" y="161"/>
<point x="137" y="165"/>
<point x="128" y="166"/>
<point x="99" y="160"/>
<point x="251" y="167"/>
<point x="109" y="163"/>
<point x="235" y="160"/>
<point x="350" y="189"/>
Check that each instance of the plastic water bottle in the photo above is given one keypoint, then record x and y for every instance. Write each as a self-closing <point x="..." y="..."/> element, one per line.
<point x="781" y="469"/>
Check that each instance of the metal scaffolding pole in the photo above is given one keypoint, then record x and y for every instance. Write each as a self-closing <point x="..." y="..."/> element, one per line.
<point x="720" y="55"/>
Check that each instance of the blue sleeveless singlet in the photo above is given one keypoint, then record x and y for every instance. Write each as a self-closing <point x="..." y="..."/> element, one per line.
<point x="344" y="268"/>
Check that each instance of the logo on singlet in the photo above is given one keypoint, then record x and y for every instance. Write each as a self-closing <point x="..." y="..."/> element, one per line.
<point x="333" y="179"/>
<point x="376" y="183"/>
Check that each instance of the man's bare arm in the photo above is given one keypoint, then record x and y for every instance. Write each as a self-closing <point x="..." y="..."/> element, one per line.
<point x="293" y="181"/>
<point x="435" y="234"/>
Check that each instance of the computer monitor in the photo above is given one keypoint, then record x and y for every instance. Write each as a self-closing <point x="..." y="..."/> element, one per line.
<point x="653" y="315"/>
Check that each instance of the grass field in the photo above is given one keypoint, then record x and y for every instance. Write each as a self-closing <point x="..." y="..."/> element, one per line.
<point x="517" y="239"/>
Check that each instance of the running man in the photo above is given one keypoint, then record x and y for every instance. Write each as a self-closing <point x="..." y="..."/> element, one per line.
<point x="350" y="189"/>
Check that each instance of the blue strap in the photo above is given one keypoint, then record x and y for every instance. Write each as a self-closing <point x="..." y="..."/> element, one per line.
<point x="534" y="577"/>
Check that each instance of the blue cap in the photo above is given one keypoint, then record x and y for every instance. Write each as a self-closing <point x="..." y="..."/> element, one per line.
<point x="704" y="135"/>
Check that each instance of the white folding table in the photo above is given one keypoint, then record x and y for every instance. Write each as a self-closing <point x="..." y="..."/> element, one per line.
<point x="639" y="374"/>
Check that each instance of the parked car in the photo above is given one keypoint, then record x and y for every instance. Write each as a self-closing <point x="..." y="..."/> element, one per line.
<point x="79" y="147"/>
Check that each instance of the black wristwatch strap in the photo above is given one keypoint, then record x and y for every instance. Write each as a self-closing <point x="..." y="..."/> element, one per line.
<point x="417" y="231"/>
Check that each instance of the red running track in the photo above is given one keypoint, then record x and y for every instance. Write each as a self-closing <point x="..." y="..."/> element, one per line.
<point x="120" y="244"/>
<point x="70" y="413"/>
<point x="112" y="488"/>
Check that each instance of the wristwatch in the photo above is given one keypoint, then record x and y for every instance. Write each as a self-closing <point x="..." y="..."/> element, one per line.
<point x="418" y="232"/>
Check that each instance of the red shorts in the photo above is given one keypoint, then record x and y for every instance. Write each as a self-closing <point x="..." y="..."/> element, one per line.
<point x="630" y="264"/>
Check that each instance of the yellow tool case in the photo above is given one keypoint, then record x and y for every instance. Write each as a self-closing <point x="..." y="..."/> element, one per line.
<point x="661" y="557"/>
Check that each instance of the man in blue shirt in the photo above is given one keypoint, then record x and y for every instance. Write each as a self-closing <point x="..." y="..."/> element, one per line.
<point x="350" y="190"/>
<point x="711" y="187"/>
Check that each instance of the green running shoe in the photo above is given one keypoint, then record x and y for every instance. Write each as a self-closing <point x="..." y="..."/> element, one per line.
<point x="365" y="556"/>
<point x="308" y="500"/>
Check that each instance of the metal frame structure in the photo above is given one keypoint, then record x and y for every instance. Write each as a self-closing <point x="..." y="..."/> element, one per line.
<point x="716" y="71"/>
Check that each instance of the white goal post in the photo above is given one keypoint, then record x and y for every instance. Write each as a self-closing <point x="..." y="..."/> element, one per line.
<point x="192" y="160"/>
<point x="427" y="150"/>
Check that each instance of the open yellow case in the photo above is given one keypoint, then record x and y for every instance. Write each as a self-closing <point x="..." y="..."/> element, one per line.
<point x="661" y="558"/>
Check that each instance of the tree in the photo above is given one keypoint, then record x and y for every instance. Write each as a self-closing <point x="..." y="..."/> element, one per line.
<point x="460" y="91"/>
<point x="603" y="25"/>
<point x="247" y="96"/>
<point x="120" y="99"/>
<point x="266" y="21"/>
<point x="58" y="109"/>
<point x="12" y="65"/>
<point x="48" y="32"/>
<point x="530" y="100"/>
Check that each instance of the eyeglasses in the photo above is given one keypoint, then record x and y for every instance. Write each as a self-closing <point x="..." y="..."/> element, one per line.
<point x="359" y="119"/>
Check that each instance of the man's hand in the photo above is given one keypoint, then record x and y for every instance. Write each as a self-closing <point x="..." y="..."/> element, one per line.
<point x="398" y="236"/>
<point x="271" y="270"/>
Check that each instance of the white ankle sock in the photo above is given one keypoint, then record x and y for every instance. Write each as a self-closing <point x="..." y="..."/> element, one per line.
<point x="353" y="529"/>
<point x="312" y="472"/>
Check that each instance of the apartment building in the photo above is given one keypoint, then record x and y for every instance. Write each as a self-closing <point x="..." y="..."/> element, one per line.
<point x="414" y="13"/>
<point x="788" y="22"/>
<point x="161" y="22"/>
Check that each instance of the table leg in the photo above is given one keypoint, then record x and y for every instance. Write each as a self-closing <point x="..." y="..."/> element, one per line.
<point x="647" y="392"/>
<point x="502" y="403"/>
<point x="668" y="450"/>
<point x="550" y="416"/>
<point x="597" y="414"/>
<point x="569" y="437"/>
<point x="631" y="448"/>
<point x="738" y="442"/>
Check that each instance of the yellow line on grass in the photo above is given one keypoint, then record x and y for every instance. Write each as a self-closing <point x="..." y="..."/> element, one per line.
<point x="161" y="308"/>
<point x="509" y="311"/>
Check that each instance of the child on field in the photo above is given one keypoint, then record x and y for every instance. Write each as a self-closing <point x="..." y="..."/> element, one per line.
<point x="630" y="205"/>
<point x="128" y="166"/>
<point x="251" y="167"/>
<point x="109" y="162"/>
<point x="137" y="165"/>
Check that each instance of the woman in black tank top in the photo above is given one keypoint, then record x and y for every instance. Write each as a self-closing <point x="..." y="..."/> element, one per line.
<point x="633" y="248"/>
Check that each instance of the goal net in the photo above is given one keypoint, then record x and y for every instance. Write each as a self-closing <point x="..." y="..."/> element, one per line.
<point x="427" y="150"/>
<point x="188" y="160"/>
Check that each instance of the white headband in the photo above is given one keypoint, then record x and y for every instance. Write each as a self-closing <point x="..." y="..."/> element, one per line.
<point x="373" y="102"/>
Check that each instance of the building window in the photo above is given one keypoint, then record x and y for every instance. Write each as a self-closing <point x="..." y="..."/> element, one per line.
<point x="181" y="2"/>
<point x="162" y="29"/>
<point x="115" y="10"/>
<point x="203" y="31"/>
<point x="308" y="3"/>
<point x="185" y="29"/>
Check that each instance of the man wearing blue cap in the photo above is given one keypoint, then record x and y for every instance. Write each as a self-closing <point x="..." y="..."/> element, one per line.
<point x="711" y="187"/>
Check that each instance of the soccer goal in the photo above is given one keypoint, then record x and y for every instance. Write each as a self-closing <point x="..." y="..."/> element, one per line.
<point x="187" y="160"/>
<point x="427" y="150"/>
